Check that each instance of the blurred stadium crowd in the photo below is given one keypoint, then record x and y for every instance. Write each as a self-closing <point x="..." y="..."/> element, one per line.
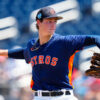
<point x="16" y="20"/>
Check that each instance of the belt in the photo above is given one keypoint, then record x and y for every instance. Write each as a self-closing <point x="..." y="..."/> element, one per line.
<point x="51" y="93"/>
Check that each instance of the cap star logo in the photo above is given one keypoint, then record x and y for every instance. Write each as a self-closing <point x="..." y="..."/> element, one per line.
<point x="52" y="11"/>
<point x="39" y="16"/>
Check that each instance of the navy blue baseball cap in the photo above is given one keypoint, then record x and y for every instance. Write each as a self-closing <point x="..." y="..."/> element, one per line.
<point x="47" y="13"/>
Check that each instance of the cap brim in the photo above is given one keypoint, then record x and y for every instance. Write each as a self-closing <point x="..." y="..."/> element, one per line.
<point x="54" y="17"/>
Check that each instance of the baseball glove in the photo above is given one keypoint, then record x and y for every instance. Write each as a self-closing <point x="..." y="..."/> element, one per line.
<point x="94" y="70"/>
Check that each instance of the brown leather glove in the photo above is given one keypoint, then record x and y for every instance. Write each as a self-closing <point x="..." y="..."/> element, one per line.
<point x="94" y="70"/>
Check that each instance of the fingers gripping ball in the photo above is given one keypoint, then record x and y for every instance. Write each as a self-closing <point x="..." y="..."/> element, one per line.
<point x="94" y="70"/>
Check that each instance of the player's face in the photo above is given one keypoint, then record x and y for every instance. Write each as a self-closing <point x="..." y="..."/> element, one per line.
<point x="48" y="26"/>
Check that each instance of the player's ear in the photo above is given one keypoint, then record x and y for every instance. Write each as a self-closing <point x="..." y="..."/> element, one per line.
<point x="38" y="22"/>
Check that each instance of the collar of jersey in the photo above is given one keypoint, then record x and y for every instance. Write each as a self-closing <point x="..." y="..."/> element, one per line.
<point x="38" y="43"/>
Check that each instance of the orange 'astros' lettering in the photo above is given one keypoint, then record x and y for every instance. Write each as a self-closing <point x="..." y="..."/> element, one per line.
<point x="47" y="60"/>
<point x="54" y="61"/>
<point x="44" y="60"/>
<point x="41" y="59"/>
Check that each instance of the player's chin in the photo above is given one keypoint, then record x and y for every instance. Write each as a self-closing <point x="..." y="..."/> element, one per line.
<point x="51" y="32"/>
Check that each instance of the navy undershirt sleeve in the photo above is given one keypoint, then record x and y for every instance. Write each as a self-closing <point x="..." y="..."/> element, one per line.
<point x="92" y="40"/>
<point x="16" y="53"/>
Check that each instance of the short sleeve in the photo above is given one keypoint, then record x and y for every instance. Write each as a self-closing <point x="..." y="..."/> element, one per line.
<point x="77" y="42"/>
<point x="74" y="42"/>
<point x="27" y="53"/>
